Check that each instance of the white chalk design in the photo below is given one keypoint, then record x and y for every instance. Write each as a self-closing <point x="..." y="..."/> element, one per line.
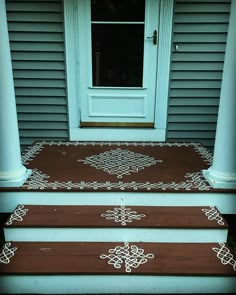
<point x="18" y="214"/>
<point x="35" y="149"/>
<point x="32" y="152"/>
<point x="213" y="214"/>
<point x="7" y="253"/>
<point x="223" y="253"/>
<point x="40" y="181"/>
<point x="130" y="256"/>
<point x="120" y="162"/>
<point x="122" y="215"/>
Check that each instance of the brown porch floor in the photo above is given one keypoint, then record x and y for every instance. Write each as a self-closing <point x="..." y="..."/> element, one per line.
<point x="117" y="166"/>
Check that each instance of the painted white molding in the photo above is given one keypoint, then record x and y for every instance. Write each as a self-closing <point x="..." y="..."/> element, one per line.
<point x="12" y="172"/>
<point x="224" y="201"/>
<point x="222" y="173"/>
<point x="117" y="134"/>
<point x="164" y="62"/>
<point x="16" y="178"/>
<point x="164" y="235"/>
<point x="71" y="39"/>
<point x="114" y="284"/>
<point x="218" y="179"/>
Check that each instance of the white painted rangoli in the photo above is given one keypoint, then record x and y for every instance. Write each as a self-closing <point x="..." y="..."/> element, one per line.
<point x="7" y="253"/>
<point x="129" y="256"/>
<point x="213" y="214"/>
<point x="17" y="215"/>
<point x="120" y="162"/>
<point x="40" y="180"/>
<point x="122" y="215"/>
<point x="223" y="253"/>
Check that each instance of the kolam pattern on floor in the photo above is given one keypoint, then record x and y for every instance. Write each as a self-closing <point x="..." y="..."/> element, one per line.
<point x="160" y="247"/>
<point x="117" y="166"/>
<point x="148" y="258"/>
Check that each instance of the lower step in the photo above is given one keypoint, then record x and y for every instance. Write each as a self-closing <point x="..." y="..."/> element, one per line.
<point x="72" y="267"/>
<point x="119" y="223"/>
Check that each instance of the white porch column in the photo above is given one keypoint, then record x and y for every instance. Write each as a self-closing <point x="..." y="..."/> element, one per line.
<point x="12" y="172"/>
<point x="222" y="173"/>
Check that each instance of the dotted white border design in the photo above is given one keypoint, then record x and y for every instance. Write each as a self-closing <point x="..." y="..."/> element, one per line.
<point x="131" y="256"/>
<point x="33" y="150"/>
<point x="225" y="256"/>
<point x="122" y="215"/>
<point x="213" y="214"/>
<point x="39" y="181"/>
<point x="205" y="154"/>
<point x="7" y="253"/>
<point x="18" y="214"/>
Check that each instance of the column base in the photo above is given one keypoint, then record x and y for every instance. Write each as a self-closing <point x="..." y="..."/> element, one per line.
<point x="220" y="180"/>
<point x="17" y="181"/>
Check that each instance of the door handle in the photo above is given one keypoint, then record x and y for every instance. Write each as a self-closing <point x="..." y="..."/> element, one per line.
<point x="153" y="37"/>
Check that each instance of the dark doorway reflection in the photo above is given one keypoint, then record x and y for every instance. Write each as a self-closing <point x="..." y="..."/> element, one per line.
<point x="117" y="42"/>
<point x="117" y="10"/>
<point x="117" y="55"/>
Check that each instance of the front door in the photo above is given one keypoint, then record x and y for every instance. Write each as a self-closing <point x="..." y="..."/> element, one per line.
<point x="118" y="45"/>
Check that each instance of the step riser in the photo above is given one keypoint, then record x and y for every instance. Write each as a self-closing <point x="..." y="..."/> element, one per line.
<point x="225" y="202"/>
<point x="116" y="235"/>
<point x="130" y="284"/>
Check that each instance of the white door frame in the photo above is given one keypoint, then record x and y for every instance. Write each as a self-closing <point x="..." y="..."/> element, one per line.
<point x="158" y="133"/>
<point x="129" y="105"/>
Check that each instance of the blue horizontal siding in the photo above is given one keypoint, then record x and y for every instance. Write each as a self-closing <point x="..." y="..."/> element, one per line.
<point x="199" y="39"/>
<point x="37" y="47"/>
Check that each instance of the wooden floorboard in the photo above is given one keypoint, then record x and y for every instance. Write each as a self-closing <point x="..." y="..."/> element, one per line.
<point x="70" y="258"/>
<point x="117" y="166"/>
<point x="91" y="216"/>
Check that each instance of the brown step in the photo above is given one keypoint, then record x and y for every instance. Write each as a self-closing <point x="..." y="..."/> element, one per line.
<point x="116" y="268"/>
<point x="109" y="223"/>
<point x="97" y="258"/>
<point x="103" y="217"/>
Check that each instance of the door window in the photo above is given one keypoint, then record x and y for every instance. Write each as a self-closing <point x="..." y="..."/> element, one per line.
<point x="117" y="28"/>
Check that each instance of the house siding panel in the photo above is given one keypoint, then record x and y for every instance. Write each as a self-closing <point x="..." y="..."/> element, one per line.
<point x="200" y="33"/>
<point x="37" y="47"/>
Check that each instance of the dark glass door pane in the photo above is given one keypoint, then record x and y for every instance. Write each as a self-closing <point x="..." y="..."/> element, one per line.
<point x="117" y="55"/>
<point x="117" y="10"/>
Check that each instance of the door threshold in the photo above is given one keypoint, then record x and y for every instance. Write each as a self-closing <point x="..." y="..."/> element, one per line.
<point x="117" y="134"/>
<point x="118" y="124"/>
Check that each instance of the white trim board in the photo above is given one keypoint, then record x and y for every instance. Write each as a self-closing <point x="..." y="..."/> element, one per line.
<point x="113" y="284"/>
<point x="117" y="134"/>
<point x="225" y="202"/>
<point x="116" y="235"/>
